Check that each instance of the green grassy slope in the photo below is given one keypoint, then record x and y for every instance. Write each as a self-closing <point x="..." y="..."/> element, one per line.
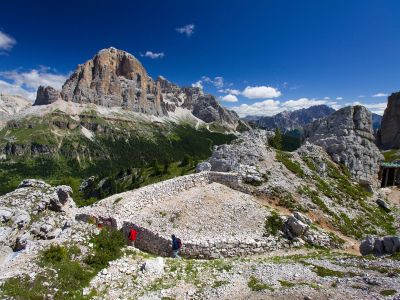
<point x="126" y="154"/>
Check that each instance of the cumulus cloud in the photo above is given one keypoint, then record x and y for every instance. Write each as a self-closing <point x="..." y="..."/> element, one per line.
<point x="6" y="41"/>
<point x="187" y="29"/>
<point x="380" y="95"/>
<point x="264" y="108"/>
<point x="25" y="83"/>
<point x="271" y="107"/>
<point x="153" y="55"/>
<point x="339" y="98"/>
<point x="302" y="103"/>
<point x="229" y="98"/>
<point x="259" y="92"/>
<point x="230" y="91"/>
<point x="327" y="98"/>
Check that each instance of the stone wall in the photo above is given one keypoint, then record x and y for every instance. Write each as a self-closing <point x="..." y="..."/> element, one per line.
<point x="161" y="245"/>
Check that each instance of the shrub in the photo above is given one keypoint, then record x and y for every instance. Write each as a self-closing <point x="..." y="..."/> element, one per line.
<point x="106" y="246"/>
<point x="273" y="223"/>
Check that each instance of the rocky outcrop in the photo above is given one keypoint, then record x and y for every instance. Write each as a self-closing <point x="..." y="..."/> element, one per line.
<point x="115" y="78"/>
<point x="347" y="136"/>
<point x="389" y="134"/>
<point x="46" y="95"/>
<point x="380" y="245"/>
<point x="34" y="211"/>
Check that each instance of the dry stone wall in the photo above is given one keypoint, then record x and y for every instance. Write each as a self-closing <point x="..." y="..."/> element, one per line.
<point x="118" y="208"/>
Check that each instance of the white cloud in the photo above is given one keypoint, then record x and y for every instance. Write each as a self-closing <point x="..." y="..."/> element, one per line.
<point x="377" y="108"/>
<point x="229" y="98"/>
<point x="259" y="92"/>
<point x="218" y="81"/>
<point x="25" y="83"/>
<point x="198" y="84"/>
<point x="6" y="41"/>
<point x="271" y="107"/>
<point x="302" y="103"/>
<point x="230" y="91"/>
<point x="361" y="96"/>
<point x="380" y="95"/>
<point x="12" y="89"/>
<point x="187" y="29"/>
<point x="153" y="55"/>
<point x="327" y="98"/>
<point x="339" y="98"/>
<point x="264" y="108"/>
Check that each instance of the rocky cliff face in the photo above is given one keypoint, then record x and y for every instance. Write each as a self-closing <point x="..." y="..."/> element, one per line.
<point x="115" y="78"/>
<point x="389" y="136"/>
<point x="46" y="95"/>
<point x="347" y="136"/>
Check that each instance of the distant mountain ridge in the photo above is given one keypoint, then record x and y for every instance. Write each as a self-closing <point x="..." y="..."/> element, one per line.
<point x="291" y="120"/>
<point x="297" y="119"/>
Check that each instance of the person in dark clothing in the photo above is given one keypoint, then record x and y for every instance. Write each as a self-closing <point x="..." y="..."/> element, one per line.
<point x="176" y="246"/>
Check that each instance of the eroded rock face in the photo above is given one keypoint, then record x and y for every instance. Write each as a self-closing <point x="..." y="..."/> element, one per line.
<point x="389" y="135"/>
<point x="34" y="211"/>
<point x="380" y="245"/>
<point x="348" y="138"/>
<point x="115" y="78"/>
<point x="46" y="95"/>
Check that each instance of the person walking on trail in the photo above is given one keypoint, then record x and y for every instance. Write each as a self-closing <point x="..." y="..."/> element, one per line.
<point x="176" y="246"/>
<point x="132" y="237"/>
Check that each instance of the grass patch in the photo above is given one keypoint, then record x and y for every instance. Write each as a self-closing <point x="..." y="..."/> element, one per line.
<point x="287" y="284"/>
<point x="388" y="292"/>
<point x="286" y="160"/>
<point x="256" y="285"/>
<point x="64" y="277"/>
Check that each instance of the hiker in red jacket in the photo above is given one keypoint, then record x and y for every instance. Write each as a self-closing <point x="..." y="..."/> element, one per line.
<point x="132" y="237"/>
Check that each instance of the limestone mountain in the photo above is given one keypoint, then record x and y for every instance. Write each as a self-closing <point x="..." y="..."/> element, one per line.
<point x="115" y="78"/>
<point x="291" y="120"/>
<point x="389" y="135"/>
<point x="347" y="135"/>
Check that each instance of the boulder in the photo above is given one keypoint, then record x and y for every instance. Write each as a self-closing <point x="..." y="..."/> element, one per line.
<point x="203" y="166"/>
<point x="33" y="183"/>
<point x="62" y="194"/>
<point x="20" y="219"/>
<point x="382" y="203"/>
<point x="295" y="228"/>
<point x="303" y="218"/>
<point x="5" y="214"/>
<point x="22" y="241"/>
<point x="154" y="266"/>
<point x="379" y="248"/>
<point x="367" y="246"/>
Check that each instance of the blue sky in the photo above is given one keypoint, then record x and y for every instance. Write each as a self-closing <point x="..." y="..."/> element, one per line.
<point x="259" y="57"/>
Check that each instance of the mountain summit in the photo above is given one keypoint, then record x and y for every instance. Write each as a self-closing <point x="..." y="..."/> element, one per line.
<point x="115" y="78"/>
